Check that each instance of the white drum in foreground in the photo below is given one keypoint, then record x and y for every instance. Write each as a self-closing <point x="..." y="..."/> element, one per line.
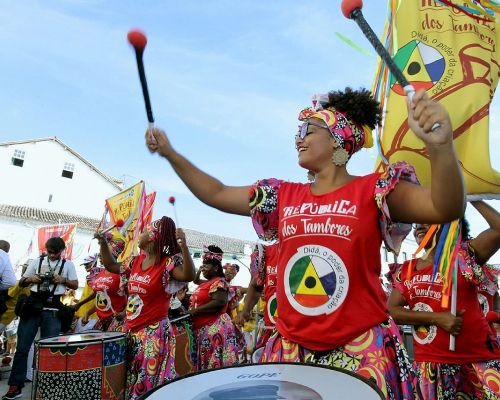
<point x="269" y="381"/>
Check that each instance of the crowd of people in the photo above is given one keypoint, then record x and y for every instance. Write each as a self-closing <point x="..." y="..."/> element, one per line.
<point x="315" y="275"/>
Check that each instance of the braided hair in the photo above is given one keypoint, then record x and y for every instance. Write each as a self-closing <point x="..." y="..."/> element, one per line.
<point x="165" y="243"/>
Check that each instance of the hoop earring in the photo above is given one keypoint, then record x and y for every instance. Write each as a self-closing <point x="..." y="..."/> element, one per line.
<point x="340" y="156"/>
<point x="310" y="176"/>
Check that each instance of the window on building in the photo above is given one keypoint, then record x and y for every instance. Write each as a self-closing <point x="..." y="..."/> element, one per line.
<point x="68" y="170"/>
<point x="405" y="255"/>
<point x="197" y="255"/>
<point x="18" y="158"/>
<point x="50" y="198"/>
<point x="395" y="258"/>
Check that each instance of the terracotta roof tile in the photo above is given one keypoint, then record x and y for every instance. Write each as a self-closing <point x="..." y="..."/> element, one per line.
<point x="195" y="239"/>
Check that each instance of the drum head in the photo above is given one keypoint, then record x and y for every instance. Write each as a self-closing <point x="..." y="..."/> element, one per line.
<point x="269" y="381"/>
<point x="87" y="337"/>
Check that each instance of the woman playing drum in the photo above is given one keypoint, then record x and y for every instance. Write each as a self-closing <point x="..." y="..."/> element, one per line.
<point x="164" y="259"/>
<point x="331" y="307"/>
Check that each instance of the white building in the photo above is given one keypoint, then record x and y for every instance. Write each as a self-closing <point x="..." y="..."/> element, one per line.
<point x="45" y="173"/>
<point x="45" y="182"/>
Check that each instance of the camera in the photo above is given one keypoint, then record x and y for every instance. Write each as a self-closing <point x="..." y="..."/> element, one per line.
<point x="46" y="278"/>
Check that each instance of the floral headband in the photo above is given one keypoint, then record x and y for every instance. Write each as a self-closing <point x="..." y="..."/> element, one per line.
<point x="350" y="136"/>
<point x="153" y="229"/>
<point x="116" y="243"/>
<point x="209" y="255"/>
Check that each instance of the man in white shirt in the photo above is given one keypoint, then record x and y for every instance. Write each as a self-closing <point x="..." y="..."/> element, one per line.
<point x="7" y="276"/>
<point x="48" y="276"/>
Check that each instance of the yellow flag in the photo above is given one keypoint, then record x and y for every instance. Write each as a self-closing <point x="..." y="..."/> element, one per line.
<point x="127" y="206"/>
<point x="454" y="57"/>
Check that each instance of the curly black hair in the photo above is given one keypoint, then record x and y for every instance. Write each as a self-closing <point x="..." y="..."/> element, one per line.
<point x="359" y="106"/>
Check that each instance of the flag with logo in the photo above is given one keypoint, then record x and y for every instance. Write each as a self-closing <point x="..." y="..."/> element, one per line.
<point x="128" y="206"/>
<point x="449" y="48"/>
<point x="64" y="231"/>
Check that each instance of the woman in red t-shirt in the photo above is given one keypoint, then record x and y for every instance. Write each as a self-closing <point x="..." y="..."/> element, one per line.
<point x="108" y="292"/>
<point x="263" y="267"/>
<point x="155" y="274"/>
<point x="331" y="306"/>
<point x="214" y="330"/>
<point x="472" y="371"/>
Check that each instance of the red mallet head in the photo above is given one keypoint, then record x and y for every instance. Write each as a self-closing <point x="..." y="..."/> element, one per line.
<point x="493" y="316"/>
<point x="137" y="39"/>
<point x="348" y="6"/>
<point x="119" y="223"/>
<point x="171" y="200"/>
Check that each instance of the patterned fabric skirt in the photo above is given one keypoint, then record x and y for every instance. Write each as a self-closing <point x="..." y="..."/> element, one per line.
<point x="264" y="336"/>
<point x="151" y="358"/>
<point x="217" y="344"/>
<point x="472" y="381"/>
<point x="110" y="324"/>
<point x="378" y="354"/>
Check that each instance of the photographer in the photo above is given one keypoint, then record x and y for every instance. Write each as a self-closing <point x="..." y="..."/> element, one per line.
<point x="47" y="276"/>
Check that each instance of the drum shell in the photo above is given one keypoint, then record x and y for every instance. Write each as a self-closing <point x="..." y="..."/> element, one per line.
<point x="185" y="345"/>
<point x="88" y="366"/>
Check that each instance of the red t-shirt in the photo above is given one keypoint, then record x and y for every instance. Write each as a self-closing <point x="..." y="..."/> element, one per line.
<point x="475" y="341"/>
<point x="271" y="268"/>
<point x="148" y="299"/>
<point x="328" y="287"/>
<point x="107" y="300"/>
<point x="202" y="296"/>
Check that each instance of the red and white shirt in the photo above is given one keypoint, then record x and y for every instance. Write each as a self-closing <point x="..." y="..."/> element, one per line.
<point x="476" y="342"/>
<point x="264" y="268"/>
<point x="328" y="289"/>
<point x="202" y="296"/>
<point x="148" y="292"/>
<point x="108" y="300"/>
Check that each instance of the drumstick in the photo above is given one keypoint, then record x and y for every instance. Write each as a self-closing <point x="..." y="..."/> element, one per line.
<point x="171" y="200"/>
<point x="453" y="307"/>
<point x="138" y="40"/>
<point x="352" y="10"/>
<point x="118" y="224"/>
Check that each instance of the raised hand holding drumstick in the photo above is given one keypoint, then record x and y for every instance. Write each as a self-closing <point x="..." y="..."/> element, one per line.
<point x="138" y="40"/>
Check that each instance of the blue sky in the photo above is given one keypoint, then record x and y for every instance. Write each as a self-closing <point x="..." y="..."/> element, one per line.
<point x="226" y="80"/>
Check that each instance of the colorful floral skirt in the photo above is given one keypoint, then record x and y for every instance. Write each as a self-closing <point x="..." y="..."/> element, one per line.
<point x="110" y="324"/>
<point x="151" y="358"/>
<point x="378" y="355"/>
<point x="264" y="336"/>
<point x="472" y="381"/>
<point x="217" y="344"/>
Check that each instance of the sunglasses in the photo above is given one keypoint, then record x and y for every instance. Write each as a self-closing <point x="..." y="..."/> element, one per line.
<point x="303" y="129"/>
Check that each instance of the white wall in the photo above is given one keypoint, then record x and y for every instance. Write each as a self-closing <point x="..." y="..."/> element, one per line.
<point x="40" y="176"/>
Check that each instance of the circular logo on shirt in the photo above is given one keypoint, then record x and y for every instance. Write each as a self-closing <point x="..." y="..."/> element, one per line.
<point x="483" y="302"/>
<point x="134" y="306"/>
<point x="102" y="301"/>
<point x="316" y="280"/>
<point x="272" y="308"/>
<point x="423" y="334"/>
